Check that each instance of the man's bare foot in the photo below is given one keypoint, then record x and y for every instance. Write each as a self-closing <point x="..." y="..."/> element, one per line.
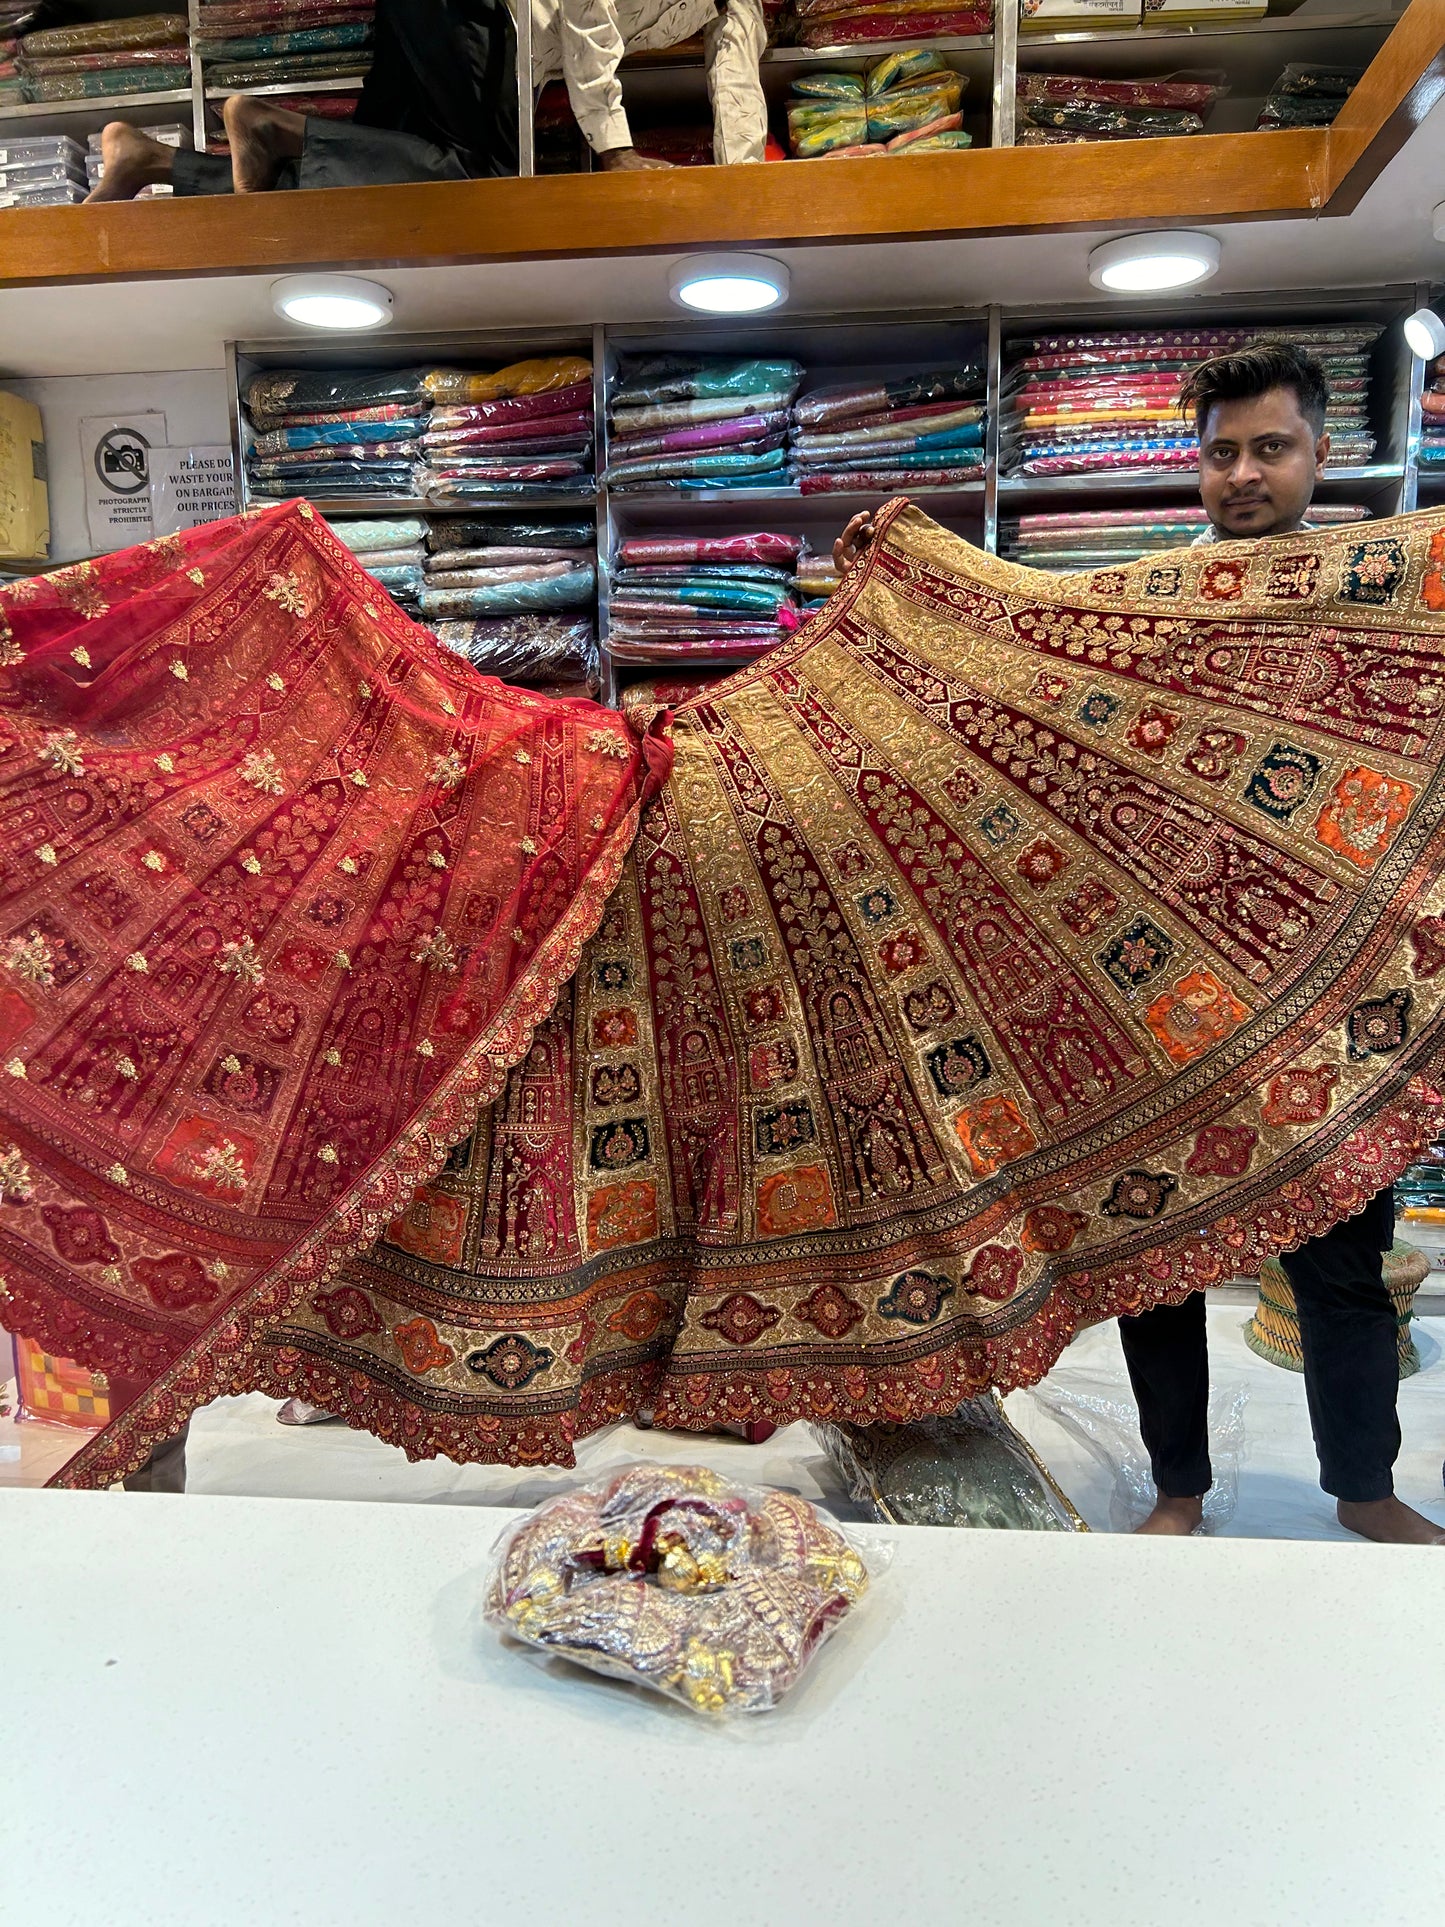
<point x="1173" y="1519"/>
<point x="1389" y="1522"/>
<point x="627" y="160"/>
<point x="261" y="138"/>
<point x="132" y="161"/>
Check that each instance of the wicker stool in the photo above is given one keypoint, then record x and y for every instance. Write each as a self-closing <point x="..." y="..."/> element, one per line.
<point x="1273" y="1332"/>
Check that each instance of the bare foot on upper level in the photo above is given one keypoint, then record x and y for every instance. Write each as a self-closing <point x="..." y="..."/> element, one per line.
<point x="261" y="138"/>
<point x="132" y="161"/>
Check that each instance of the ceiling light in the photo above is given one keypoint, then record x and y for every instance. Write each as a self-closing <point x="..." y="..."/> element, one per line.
<point x="331" y="301"/>
<point x="1149" y="263"/>
<point x="1425" y="334"/>
<point x="729" y="283"/>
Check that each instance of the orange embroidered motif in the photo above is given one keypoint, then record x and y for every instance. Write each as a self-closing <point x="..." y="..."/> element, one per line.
<point x="1363" y="813"/>
<point x="798" y="1200"/>
<point x="993" y="1133"/>
<point x="420" y="1347"/>
<point x="433" y="1227"/>
<point x="622" y="1214"/>
<point x="1299" y="1096"/>
<point x="1195" y="1014"/>
<point x="1432" y="586"/>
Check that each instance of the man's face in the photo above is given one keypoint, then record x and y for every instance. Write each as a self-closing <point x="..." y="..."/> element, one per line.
<point x="1258" y="464"/>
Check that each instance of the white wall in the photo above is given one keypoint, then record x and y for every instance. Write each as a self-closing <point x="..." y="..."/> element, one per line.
<point x="192" y="401"/>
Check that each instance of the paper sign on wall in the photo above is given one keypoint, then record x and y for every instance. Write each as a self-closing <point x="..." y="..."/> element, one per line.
<point x="115" y="455"/>
<point x="191" y="485"/>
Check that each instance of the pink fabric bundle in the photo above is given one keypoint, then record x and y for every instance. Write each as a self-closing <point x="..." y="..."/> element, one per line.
<point x="896" y="481"/>
<point x="573" y="399"/>
<point x="775" y="551"/>
<point x="538" y="429"/>
<point x="741" y="429"/>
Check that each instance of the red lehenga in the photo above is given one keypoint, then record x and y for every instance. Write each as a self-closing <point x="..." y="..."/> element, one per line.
<point x="1006" y="952"/>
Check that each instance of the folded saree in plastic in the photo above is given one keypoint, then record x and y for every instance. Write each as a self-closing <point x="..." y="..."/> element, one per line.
<point x="873" y="481"/>
<point x="534" y="592"/>
<point x="662" y="551"/>
<point x="577" y="533"/>
<point x="528" y="648"/>
<point x="1005" y="953"/>
<point x="673" y="378"/>
<point x="387" y="533"/>
<point x="306" y="435"/>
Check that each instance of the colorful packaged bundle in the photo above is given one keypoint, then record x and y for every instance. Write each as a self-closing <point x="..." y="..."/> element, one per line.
<point x="527" y="428"/>
<point x="144" y="55"/>
<point x="256" y="43"/>
<point x="923" y="431"/>
<point x="850" y="23"/>
<point x="1093" y="403"/>
<point x="728" y="598"/>
<point x="903" y="100"/>
<point x="543" y="652"/>
<point x="1306" y="95"/>
<point x="673" y="1578"/>
<point x="695" y="422"/>
<point x="1081" y="106"/>
<point x="481" y="570"/>
<point x="1098" y="538"/>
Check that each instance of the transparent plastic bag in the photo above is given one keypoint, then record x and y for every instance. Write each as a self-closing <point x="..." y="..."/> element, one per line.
<point x="1108" y="1428"/>
<point x="969" y="1469"/>
<point x="676" y="1579"/>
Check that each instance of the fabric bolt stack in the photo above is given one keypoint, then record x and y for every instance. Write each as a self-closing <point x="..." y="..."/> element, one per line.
<point x="921" y="431"/>
<point x="690" y="599"/>
<point x="342" y="432"/>
<point x="1055" y="109"/>
<point x="392" y="550"/>
<point x="816" y="580"/>
<point x="685" y="422"/>
<point x="1432" y="411"/>
<point x="516" y="598"/>
<point x="149" y="54"/>
<point x="47" y="170"/>
<point x="1078" y="404"/>
<point x="14" y="19"/>
<point x="1306" y="95"/>
<point x="1098" y="538"/>
<point x="260" y="43"/>
<point x="904" y="103"/>
<point x="853" y="23"/>
<point x="521" y="432"/>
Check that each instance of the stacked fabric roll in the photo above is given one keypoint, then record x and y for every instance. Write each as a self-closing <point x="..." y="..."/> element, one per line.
<point x="516" y="598"/>
<point x="850" y="23"/>
<point x="904" y="103"/>
<point x="816" y="580"/>
<point x="526" y="430"/>
<point x="1097" y="538"/>
<point x="456" y="436"/>
<point x="1063" y="108"/>
<point x="923" y="431"/>
<point x="391" y="549"/>
<point x="15" y="17"/>
<point x="260" y="43"/>
<point x="1306" y="95"/>
<point x="686" y="599"/>
<point x="1077" y="404"/>
<point x="1432" y="412"/>
<point x="145" y="55"/>
<point x="701" y="422"/>
<point x="47" y="170"/>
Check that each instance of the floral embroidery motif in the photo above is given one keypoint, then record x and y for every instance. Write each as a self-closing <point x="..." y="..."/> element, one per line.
<point x="1378" y="1026"/>
<point x="1364" y="811"/>
<point x="993" y="1133"/>
<point x="734" y="904"/>
<point x="763" y="1004"/>
<point x="877" y="905"/>
<point x="916" y="1297"/>
<point x="1427" y="945"/>
<point x="421" y="1349"/>
<point x="622" y="1214"/>
<point x="617" y="1145"/>
<point x="994" y="1273"/>
<point x="1051" y="1228"/>
<point x="221" y="1166"/>
<point x="900" y="953"/>
<point x="1040" y="862"/>
<point x="1222" y="1151"/>
<point x="284" y="589"/>
<point x="1091" y="904"/>
<point x="850" y="860"/>
<point x="1215" y="754"/>
<point x="930" y="1007"/>
<point x="1153" y="730"/>
<point x="349" y="1312"/>
<point x="1299" y="1096"/>
<point x="616" y="1084"/>
<point x="1098" y="709"/>
<point x="176" y="1282"/>
<point x="1163" y="582"/>
<point x="437" y="953"/>
<point x="1282" y="780"/>
<point x="59" y="749"/>
<point x="784" y="1128"/>
<point x="1140" y="951"/>
<point x="1373" y="571"/>
<point x="830" y="1311"/>
<point x="1000" y="824"/>
<point x="603" y="742"/>
<point x="1197" y="1013"/>
<point x="741" y="1319"/>
<point x="241" y="961"/>
<point x="31" y="957"/>
<point x="1139" y="1194"/>
<point x="614" y="1029"/>
<point x="78" y="589"/>
<point x="16" y="1184"/>
<point x="263" y="772"/>
<point x="748" y="953"/>
<point x="1223" y="581"/>
<point x="958" y="1066"/>
<point x="1292" y="578"/>
<point x="447" y="770"/>
<point x="773" y="1063"/>
<point x="641" y="1317"/>
<point x="961" y="789"/>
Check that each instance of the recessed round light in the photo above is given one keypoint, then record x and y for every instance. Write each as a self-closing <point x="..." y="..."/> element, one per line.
<point x="1425" y="334"/>
<point x="729" y="283"/>
<point x="331" y="301"/>
<point x="1151" y="263"/>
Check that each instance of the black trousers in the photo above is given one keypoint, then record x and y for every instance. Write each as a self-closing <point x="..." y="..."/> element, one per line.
<point x="1350" y="1339"/>
<point x="440" y="104"/>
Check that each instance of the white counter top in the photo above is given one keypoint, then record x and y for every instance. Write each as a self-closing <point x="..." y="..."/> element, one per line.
<point x="244" y="1713"/>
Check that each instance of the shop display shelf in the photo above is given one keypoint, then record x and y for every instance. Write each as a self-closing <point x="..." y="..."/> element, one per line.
<point x="344" y="84"/>
<point x="371" y="505"/>
<point x="80" y="118"/>
<point x="1124" y="482"/>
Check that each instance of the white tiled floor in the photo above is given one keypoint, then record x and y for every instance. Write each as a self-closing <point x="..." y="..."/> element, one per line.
<point x="237" y="1447"/>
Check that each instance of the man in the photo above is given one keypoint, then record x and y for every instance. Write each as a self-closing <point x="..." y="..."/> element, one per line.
<point x="1260" y="417"/>
<point x="440" y="101"/>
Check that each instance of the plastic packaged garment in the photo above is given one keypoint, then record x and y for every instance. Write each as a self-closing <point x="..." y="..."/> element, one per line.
<point x="680" y="414"/>
<point x="574" y="398"/>
<point x="442" y="561"/>
<point x="817" y="130"/>
<point x="99" y="86"/>
<point x="293" y="67"/>
<point x="575" y="590"/>
<point x="858" y="402"/>
<point x="106" y="36"/>
<point x="526" y="649"/>
<point x="698" y="468"/>
<point x="937" y="139"/>
<point x="519" y="434"/>
<point x="413" y="556"/>
<point x="394" y="532"/>
<point x="745" y="429"/>
<point x="539" y="376"/>
<point x="961" y="428"/>
<point x="838" y="87"/>
<point x="1289" y="110"/>
<point x="767" y="548"/>
<point x="662" y="575"/>
<point x="498" y="576"/>
<point x="264" y="424"/>
<point x="1117" y="123"/>
<point x="405" y="582"/>
<point x="283" y="392"/>
<point x="136" y="60"/>
<point x="895" y="70"/>
<point x="277" y="441"/>
<point x="668" y="378"/>
<point x="1302" y="78"/>
<point x="1198" y="92"/>
<point x="913" y="107"/>
<point x="470" y="494"/>
<point x="672" y="1577"/>
<point x="512" y="534"/>
<point x="269" y="45"/>
<point x="697" y="595"/>
<point x="337" y="479"/>
<point x="887" y="481"/>
<point x="859" y="29"/>
<point x="972" y="1468"/>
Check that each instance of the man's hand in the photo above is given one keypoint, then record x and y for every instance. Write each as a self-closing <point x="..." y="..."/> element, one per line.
<point x="627" y="160"/>
<point x="853" y="541"/>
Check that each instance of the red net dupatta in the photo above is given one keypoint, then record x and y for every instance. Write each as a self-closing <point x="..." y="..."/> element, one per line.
<point x="286" y="890"/>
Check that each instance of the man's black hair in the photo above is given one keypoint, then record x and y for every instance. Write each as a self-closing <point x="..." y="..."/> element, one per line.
<point x="1255" y="370"/>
